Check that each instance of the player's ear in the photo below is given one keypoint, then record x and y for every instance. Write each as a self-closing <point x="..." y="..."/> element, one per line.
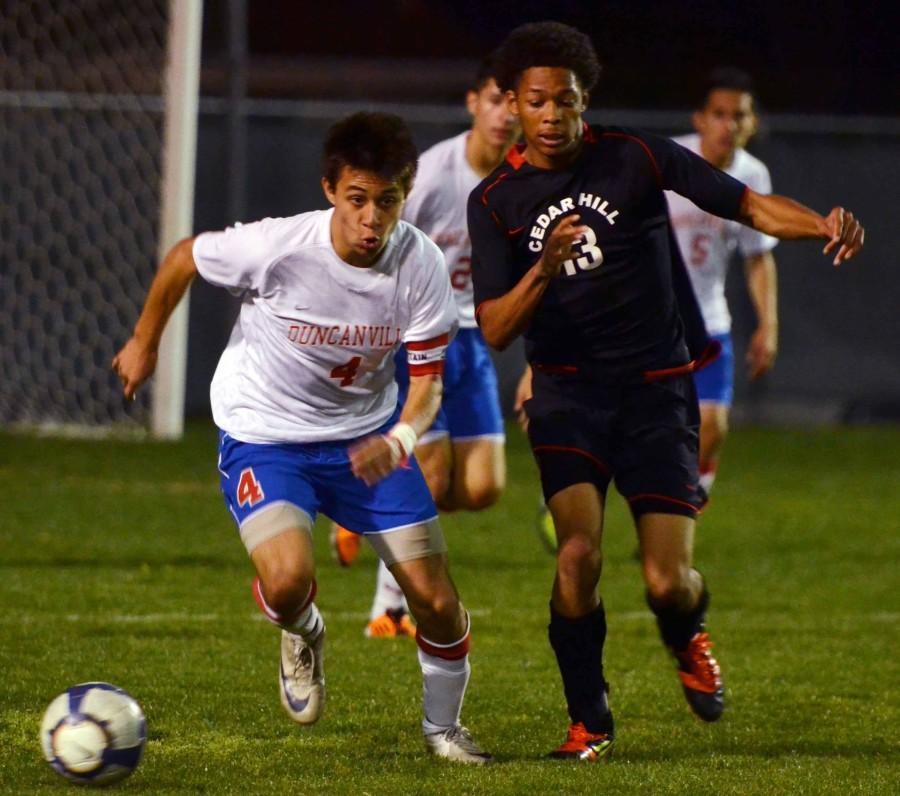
<point x="328" y="190"/>
<point x="585" y="99"/>
<point x="697" y="120"/>
<point x="471" y="101"/>
<point x="511" y="104"/>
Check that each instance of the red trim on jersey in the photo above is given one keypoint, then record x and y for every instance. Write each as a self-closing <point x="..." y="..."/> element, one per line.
<point x="424" y="345"/>
<point x="427" y="369"/>
<point x="511" y="233"/>
<point x="515" y="157"/>
<point x="588" y="134"/>
<point x="598" y="463"/>
<point x="664" y="499"/>
<point x="493" y="185"/>
<point x="645" y="147"/>
<point x="449" y="652"/>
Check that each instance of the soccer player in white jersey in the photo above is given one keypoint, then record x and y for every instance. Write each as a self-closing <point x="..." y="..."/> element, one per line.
<point x="724" y="122"/>
<point x="305" y="399"/>
<point x="462" y="454"/>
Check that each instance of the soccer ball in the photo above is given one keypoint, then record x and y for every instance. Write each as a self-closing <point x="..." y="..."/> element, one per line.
<point x="93" y="733"/>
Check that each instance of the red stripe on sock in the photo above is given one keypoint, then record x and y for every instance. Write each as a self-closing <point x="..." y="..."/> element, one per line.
<point x="449" y="652"/>
<point x="271" y="614"/>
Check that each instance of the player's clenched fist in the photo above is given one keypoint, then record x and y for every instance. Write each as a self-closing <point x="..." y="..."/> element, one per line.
<point x="375" y="458"/>
<point x="134" y="364"/>
<point x="845" y="233"/>
<point x="559" y="245"/>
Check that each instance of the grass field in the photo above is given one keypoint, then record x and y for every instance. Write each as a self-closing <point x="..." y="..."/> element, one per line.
<point x="119" y="562"/>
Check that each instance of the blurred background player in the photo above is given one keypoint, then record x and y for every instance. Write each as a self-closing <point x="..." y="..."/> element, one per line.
<point x="306" y="403"/>
<point x="462" y="454"/>
<point x="724" y="121"/>
<point x="572" y="248"/>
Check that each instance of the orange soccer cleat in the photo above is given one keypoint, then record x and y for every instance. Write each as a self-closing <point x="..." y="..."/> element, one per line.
<point x="701" y="678"/>
<point x="583" y="745"/>
<point x="344" y="544"/>
<point x="392" y="623"/>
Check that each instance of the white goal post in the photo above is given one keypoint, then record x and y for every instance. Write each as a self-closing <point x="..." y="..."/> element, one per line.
<point x="177" y="206"/>
<point x="98" y="108"/>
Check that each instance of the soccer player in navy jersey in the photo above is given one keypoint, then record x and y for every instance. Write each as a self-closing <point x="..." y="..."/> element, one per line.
<point x="572" y="248"/>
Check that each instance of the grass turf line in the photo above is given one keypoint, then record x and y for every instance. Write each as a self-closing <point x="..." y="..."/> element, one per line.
<point x="119" y="562"/>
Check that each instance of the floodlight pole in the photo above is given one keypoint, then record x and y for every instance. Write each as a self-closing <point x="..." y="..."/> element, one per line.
<point x="177" y="205"/>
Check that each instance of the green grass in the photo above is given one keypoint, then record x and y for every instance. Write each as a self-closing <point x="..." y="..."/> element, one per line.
<point x="119" y="562"/>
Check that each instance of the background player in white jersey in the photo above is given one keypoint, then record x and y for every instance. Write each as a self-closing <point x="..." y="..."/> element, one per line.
<point x="724" y="121"/>
<point x="305" y="399"/>
<point x="462" y="454"/>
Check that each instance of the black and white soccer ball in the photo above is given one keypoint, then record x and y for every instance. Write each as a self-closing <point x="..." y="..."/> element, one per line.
<point x="93" y="733"/>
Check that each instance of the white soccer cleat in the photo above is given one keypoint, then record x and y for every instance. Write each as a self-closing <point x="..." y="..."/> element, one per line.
<point x="456" y="743"/>
<point x="301" y="679"/>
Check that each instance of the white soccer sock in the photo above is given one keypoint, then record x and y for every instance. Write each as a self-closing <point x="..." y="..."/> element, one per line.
<point x="708" y="474"/>
<point x="388" y="594"/>
<point x="443" y="688"/>
<point x="309" y="624"/>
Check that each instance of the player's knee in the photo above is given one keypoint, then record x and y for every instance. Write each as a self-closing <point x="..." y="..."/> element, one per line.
<point x="481" y="496"/>
<point x="439" y="608"/>
<point x="286" y="587"/>
<point x="667" y="585"/>
<point x="577" y="556"/>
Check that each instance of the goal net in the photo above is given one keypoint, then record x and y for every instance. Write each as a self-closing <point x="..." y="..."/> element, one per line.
<point x="83" y="118"/>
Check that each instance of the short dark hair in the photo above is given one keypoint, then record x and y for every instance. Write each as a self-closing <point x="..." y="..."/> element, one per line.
<point x="729" y="78"/>
<point x="487" y="71"/>
<point x="546" y="44"/>
<point x="377" y="142"/>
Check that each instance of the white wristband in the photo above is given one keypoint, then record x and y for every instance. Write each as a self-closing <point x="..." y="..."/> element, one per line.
<point x="406" y="436"/>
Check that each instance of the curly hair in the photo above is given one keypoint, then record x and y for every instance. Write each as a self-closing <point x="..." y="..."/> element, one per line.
<point x="376" y="142"/>
<point x="545" y="44"/>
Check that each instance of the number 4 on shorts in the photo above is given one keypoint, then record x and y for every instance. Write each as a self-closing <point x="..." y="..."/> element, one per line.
<point x="249" y="489"/>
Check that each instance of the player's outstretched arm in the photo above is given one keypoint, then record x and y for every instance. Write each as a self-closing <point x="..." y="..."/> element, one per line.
<point x="503" y="319"/>
<point x="135" y="363"/>
<point x="787" y="219"/>
<point x="375" y="457"/>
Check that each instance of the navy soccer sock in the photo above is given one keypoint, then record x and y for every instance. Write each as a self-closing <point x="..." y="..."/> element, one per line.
<point x="578" y="644"/>
<point x="678" y="627"/>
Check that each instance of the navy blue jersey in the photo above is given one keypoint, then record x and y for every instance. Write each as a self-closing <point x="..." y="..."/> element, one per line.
<point x="622" y="307"/>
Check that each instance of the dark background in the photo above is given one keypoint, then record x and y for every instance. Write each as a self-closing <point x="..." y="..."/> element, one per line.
<point x="828" y="56"/>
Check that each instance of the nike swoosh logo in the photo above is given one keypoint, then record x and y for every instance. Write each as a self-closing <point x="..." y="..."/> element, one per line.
<point x="297" y="705"/>
<point x="301" y="306"/>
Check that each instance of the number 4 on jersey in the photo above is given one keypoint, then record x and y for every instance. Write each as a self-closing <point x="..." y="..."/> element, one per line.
<point x="249" y="489"/>
<point x="346" y="372"/>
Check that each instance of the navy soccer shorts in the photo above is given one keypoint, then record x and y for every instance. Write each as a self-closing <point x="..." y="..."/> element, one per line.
<point x="644" y="436"/>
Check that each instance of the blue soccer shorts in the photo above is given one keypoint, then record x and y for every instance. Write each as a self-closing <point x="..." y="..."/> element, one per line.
<point x="316" y="477"/>
<point x="715" y="383"/>
<point x="470" y="408"/>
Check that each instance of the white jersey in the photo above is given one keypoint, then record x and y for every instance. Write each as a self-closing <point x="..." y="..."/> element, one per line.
<point x="310" y="357"/>
<point x="708" y="242"/>
<point x="437" y="206"/>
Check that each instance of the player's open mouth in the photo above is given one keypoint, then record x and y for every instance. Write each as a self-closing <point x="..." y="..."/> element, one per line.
<point x="552" y="140"/>
<point x="370" y="244"/>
